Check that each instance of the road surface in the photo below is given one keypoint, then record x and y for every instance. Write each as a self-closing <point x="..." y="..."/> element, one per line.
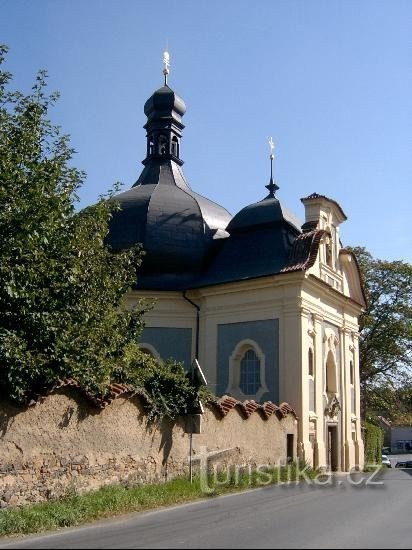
<point x="338" y="515"/>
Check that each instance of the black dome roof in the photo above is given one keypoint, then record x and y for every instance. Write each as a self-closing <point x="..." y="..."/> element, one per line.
<point x="268" y="210"/>
<point x="177" y="227"/>
<point x="261" y="238"/>
<point x="164" y="101"/>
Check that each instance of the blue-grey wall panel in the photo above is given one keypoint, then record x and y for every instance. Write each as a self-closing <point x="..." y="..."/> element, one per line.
<point x="175" y="343"/>
<point x="266" y="335"/>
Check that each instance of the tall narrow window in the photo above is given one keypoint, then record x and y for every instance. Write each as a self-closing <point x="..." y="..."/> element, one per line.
<point x="290" y="447"/>
<point x="175" y="147"/>
<point x="310" y="361"/>
<point x="151" y="146"/>
<point x="328" y="252"/>
<point x="351" y="373"/>
<point x="250" y="373"/>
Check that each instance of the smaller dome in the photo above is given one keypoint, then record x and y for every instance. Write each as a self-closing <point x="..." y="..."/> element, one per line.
<point x="163" y="102"/>
<point x="266" y="211"/>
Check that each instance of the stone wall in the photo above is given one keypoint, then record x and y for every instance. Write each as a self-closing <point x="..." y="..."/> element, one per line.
<point x="63" y="443"/>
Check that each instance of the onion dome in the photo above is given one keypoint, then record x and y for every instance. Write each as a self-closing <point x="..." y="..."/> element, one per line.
<point x="266" y="211"/>
<point x="177" y="227"/>
<point x="262" y="236"/>
<point x="162" y="102"/>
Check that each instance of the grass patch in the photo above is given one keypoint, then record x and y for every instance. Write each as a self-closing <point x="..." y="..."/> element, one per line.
<point x="374" y="467"/>
<point x="74" y="510"/>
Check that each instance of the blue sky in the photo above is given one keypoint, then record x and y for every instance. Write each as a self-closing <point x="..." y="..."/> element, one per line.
<point x="330" y="80"/>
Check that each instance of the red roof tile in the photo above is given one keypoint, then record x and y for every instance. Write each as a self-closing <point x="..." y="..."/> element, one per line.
<point x="226" y="403"/>
<point x="304" y="251"/>
<point x="115" y="390"/>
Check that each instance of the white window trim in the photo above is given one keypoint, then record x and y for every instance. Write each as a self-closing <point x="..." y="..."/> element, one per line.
<point x="234" y="370"/>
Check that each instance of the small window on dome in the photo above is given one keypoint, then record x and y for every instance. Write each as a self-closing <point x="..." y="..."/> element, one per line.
<point x="150" y="147"/>
<point x="162" y="145"/>
<point x="175" y="147"/>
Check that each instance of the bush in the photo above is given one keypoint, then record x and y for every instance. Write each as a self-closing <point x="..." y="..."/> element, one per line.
<point x="62" y="307"/>
<point x="373" y="443"/>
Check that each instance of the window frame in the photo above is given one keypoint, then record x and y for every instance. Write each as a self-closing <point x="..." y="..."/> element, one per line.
<point x="234" y="370"/>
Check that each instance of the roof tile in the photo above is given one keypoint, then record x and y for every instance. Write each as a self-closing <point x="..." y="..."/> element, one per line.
<point x="247" y="408"/>
<point x="304" y="251"/>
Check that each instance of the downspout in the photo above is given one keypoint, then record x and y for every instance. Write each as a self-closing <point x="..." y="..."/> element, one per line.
<point x="197" y="322"/>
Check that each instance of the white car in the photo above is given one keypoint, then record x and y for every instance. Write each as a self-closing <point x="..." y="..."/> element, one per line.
<point x="386" y="461"/>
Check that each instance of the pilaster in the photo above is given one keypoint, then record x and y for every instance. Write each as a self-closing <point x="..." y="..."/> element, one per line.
<point x="359" y="447"/>
<point x="292" y="388"/>
<point x="320" y="446"/>
<point x="306" y="449"/>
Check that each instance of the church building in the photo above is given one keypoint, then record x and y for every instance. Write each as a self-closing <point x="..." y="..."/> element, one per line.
<point x="268" y="306"/>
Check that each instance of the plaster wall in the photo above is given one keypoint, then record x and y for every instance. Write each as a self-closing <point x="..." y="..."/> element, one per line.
<point x="304" y="308"/>
<point x="63" y="443"/>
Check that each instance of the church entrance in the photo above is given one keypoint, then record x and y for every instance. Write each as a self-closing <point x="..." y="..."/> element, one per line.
<point x="332" y="454"/>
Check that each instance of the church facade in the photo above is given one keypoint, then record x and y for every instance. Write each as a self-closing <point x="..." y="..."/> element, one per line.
<point x="268" y="306"/>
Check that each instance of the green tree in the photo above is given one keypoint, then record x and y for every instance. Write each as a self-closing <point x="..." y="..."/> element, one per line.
<point x="385" y="348"/>
<point x="62" y="307"/>
<point x="392" y="401"/>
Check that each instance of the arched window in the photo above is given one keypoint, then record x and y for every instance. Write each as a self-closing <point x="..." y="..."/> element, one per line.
<point x="162" y="145"/>
<point x="175" y="146"/>
<point x="249" y="373"/>
<point x="331" y="382"/>
<point x="310" y="361"/>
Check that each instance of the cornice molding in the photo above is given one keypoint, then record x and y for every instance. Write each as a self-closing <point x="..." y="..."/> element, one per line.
<point x="338" y="297"/>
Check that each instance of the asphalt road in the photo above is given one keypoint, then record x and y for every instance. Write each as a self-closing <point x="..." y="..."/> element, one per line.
<point x="338" y="515"/>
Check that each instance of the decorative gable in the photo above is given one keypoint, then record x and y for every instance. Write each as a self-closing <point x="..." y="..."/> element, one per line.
<point x="325" y="214"/>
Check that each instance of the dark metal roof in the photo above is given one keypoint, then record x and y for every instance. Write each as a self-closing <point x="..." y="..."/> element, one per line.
<point x="261" y="238"/>
<point x="178" y="229"/>
<point x="163" y="102"/>
<point x="189" y="240"/>
<point x="175" y="225"/>
<point x="251" y="251"/>
<point x="268" y="210"/>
